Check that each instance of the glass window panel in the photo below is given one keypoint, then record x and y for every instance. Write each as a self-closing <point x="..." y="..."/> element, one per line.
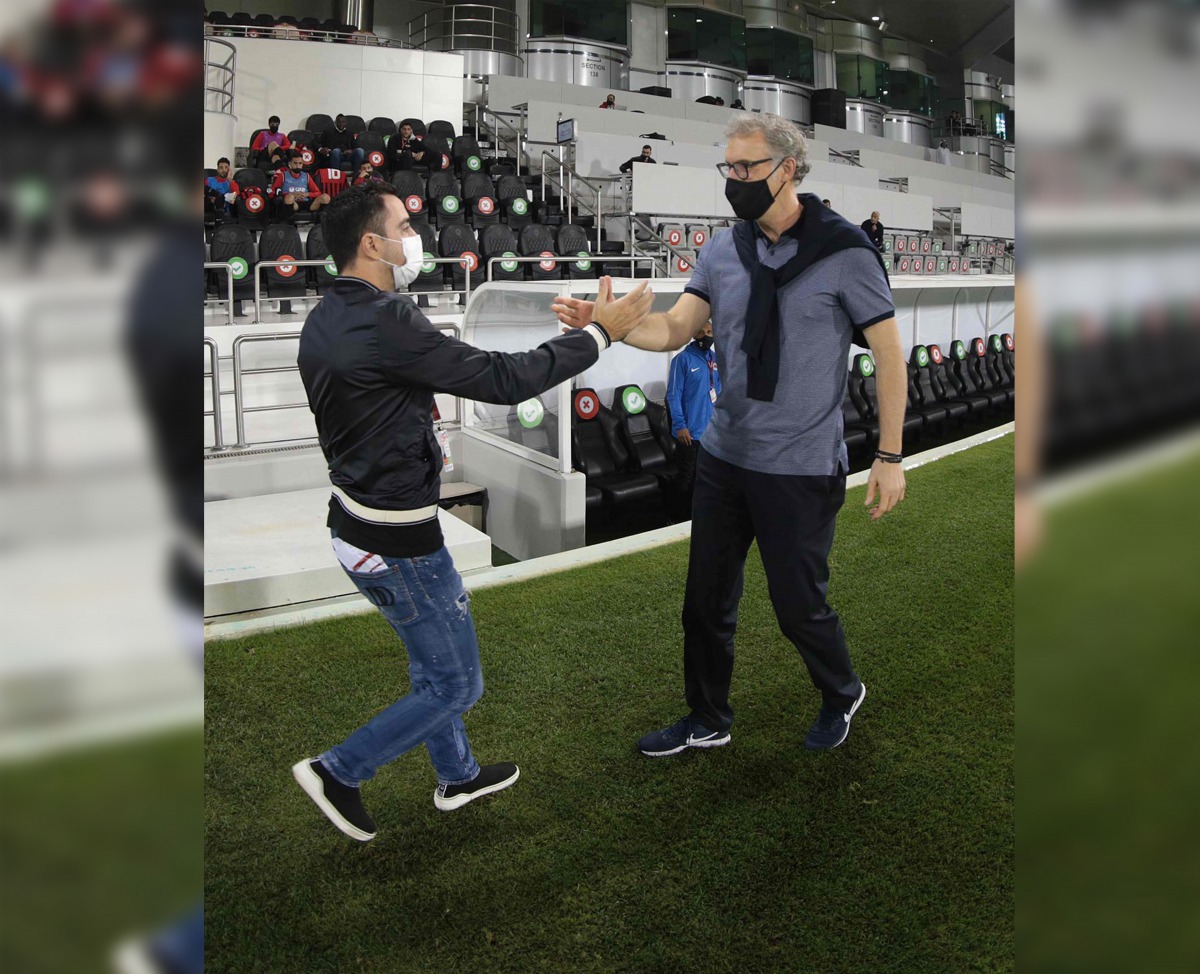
<point x="860" y="76"/>
<point x="700" y="34"/>
<point x="607" y="22"/>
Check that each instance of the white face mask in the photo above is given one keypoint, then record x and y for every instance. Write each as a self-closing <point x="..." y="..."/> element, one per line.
<point x="414" y="256"/>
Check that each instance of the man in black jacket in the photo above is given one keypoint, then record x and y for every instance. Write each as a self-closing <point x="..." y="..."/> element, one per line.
<point x="338" y="143"/>
<point x="371" y="363"/>
<point x="627" y="166"/>
<point x="874" y="229"/>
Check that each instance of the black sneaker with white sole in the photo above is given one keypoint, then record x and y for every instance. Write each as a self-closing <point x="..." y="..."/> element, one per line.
<point x="832" y="725"/>
<point x="491" y="778"/>
<point x="681" y="735"/>
<point x="341" y="804"/>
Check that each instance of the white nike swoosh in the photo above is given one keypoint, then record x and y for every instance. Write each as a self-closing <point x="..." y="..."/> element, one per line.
<point x="693" y="739"/>
<point x="694" y="370"/>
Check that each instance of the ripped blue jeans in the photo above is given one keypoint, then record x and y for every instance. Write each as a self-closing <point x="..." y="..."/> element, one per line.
<point x="424" y="600"/>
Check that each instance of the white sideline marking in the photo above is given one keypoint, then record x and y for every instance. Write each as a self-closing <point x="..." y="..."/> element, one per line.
<point x="24" y="745"/>
<point x="548" y="564"/>
<point x="1105" y="473"/>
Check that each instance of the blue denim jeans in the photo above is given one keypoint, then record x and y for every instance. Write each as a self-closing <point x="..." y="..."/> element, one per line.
<point x="424" y="600"/>
<point x="357" y="155"/>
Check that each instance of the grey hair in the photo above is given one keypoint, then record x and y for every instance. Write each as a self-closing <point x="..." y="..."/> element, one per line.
<point x="784" y="138"/>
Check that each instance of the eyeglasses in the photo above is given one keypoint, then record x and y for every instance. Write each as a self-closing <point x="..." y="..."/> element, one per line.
<point x="741" y="170"/>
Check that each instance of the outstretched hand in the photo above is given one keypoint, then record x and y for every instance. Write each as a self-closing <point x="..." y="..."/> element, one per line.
<point x="618" y="318"/>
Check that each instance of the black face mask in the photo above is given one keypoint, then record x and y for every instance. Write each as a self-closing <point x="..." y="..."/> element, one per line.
<point x="705" y="342"/>
<point x="275" y="127"/>
<point x="750" y="200"/>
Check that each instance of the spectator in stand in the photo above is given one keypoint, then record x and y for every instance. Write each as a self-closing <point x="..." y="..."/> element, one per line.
<point x="367" y="174"/>
<point x="294" y="191"/>
<point x="943" y="153"/>
<point x="403" y="149"/>
<point x="609" y="102"/>
<point x="737" y="105"/>
<point x="627" y="166"/>
<point x="270" y="147"/>
<point x="339" y="142"/>
<point x="220" y="192"/>
<point x="692" y="389"/>
<point x="720" y="101"/>
<point x="874" y="229"/>
<point x="826" y="203"/>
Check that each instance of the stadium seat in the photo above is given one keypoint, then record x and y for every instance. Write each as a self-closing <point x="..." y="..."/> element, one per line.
<point x="410" y="186"/>
<point x="253" y="208"/>
<point x="418" y="126"/>
<point x="932" y="394"/>
<point x="373" y="148"/>
<point x="597" y="453"/>
<point x="432" y="276"/>
<point x="458" y="239"/>
<point x="697" y="235"/>
<point x="930" y="415"/>
<point x="571" y="240"/>
<point x="970" y="374"/>
<point x="514" y="202"/>
<point x="681" y="263"/>
<point x="355" y="124"/>
<point x="320" y="124"/>
<point x="953" y="384"/>
<point x="319" y="278"/>
<point x="861" y="386"/>
<point x="305" y="141"/>
<point x="466" y="155"/>
<point x="234" y="244"/>
<point x="281" y="241"/>
<point x="533" y="426"/>
<point x="384" y="126"/>
<point x="673" y="233"/>
<point x="480" y="197"/>
<point x="647" y="453"/>
<point x="442" y="129"/>
<point x="251" y="177"/>
<point x="444" y="195"/>
<point x="437" y="154"/>
<point x="1010" y="359"/>
<point x="997" y="372"/>
<point x="536" y="240"/>
<point x="499" y="241"/>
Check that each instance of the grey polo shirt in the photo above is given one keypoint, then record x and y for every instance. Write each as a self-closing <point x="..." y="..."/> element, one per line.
<point x="800" y="431"/>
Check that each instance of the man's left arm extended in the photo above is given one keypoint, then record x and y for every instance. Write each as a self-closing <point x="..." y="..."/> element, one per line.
<point x="891" y="389"/>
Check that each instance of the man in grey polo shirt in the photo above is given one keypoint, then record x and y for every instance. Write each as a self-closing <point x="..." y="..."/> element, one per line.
<point x="787" y="290"/>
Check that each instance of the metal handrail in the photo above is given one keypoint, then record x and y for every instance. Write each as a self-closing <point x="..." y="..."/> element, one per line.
<point x="214" y="382"/>
<point x="566" y="186"/>
<point x="292" y="32"/>
<point x="210" y="265"/>
<point x="447" y="19"/>
<point x="633" y="241"/>
<point x="481" y="113"/>
<point x="849" y="155"/>
<point x="228" y="67"/>
<point x="240" y="408"/>
<point x="572" y="258"/>
<point x="466" y="292"/>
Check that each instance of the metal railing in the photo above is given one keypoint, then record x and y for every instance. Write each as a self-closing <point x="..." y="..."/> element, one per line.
<point x="566" y="190"/>
<point x="228" y="302"/>
<point x="574" y="258"/>
<point x="639" y="223"/>
<point x="510" y="142"/>
<point x="258" y="295"/>
<point x="225" y="72"/>
<point x="214" y="384"/>
<point x="293" y="32"/>
<point x="849" y="156"/>
<point x="468" y="27"/>
<point x="240" y="409"/>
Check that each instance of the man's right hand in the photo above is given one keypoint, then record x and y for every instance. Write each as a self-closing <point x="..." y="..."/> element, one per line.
<point x="684" y="436"/>
<point x="618" y="318"/>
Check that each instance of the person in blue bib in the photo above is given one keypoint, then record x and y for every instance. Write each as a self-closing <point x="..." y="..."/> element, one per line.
<point x="788" y="290"/>
<point x="692" y="390"/>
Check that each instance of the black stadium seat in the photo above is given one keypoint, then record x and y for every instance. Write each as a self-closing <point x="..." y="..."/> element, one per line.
<point x="418" y="126"/>
<point x="641" y="434"/>
<point x="861" y="385"/>
<point x="954" y="378"/>
<point x="514" y="202"/>
<point x="455" y="240"/>
<point x="536" y="240"/>
<point x="976" y="355"/>
<point x="306" y="142"/>
<point x="597" y="453"/>
<point x="432" y="276"/>
<point x="855" y="426"/>
<point x="319" y="124"/>
<point x="356" y="124"/>
<point x="384" y="126"/>
<point x="572" y="240"/>
<point x="445" y="199"/>
<point x="500" y="241"/>
<point x="411" y="187"/>
<point x="480" y="198"/>
<point x="928" y="416"/>
<point x="251" y="177"/>
<point x="372" y="145"/>
<point x="442" y="129"/>
<point x="466" y="155"/>
<point x="997" y="370"/>
<point x="234" y="244"/>
<point x="944" y="391"/>
<point x="437" y="154"/>
<point x="319" y="277"/>
<point x="922" y="359"/>
<point x="281" y="241"/>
